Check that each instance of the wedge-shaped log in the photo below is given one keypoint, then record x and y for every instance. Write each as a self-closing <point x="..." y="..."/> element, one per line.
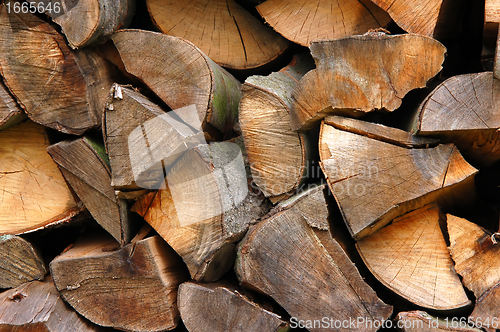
<point x="464" y="110"/>
<point x="34" y="193"/>
<point x="10" y="112"/>
<point x="57" y="87"/>
<point x="37" y="306"/>
<point x="222" y="29"/>
<point x="20" y="262"/>
<point x="90" y="22"/>
<point x="112" y="287"/>
<point x="283" y="258"/>
<point x="205" y="207"/>
<point x="475" y="252"/>
<point x="305" y="21"/>
<point x="83" y="164"/>
<point x="410" y="257"/>
<point x="420" y="321"/>
<point x="181" y="75"/>
<point x="219" y="307"/>
<point x="276" y="154"/>
<point x="360" y="74"/>
<point x="142" y="140"/>
<point x="375" y="181"/>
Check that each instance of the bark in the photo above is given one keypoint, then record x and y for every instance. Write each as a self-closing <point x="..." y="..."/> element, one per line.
<point x="181" y="75"/>
<point x="360" y="74"/>
<point x="10" y="112"/>
<point x="222" y="29"/>
<point x="374" y="181"/>
<point x="113" y="287"/>
<point x="304" y="22"/>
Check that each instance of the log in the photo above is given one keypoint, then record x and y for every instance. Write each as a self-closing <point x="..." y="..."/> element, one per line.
<point x="265" y="125"/>
<point x="20" y="262"/>
<point x="223" y="30"/>
<point x="475" y="252"/>
<point x="283" y="258"/>
<point x="113" y="287"/>
<point x="181" y="75"/>
<point x="142" y="140"/>
<point x="375" y="181"/>
<point x="304" y="22"/>
<point x="492" y="11"/>
<point x="410" y="258"/>
<point x="89" y="22"/>
<point x="219" y="307"/>
<point x="37" y="306"/>
<point x="205" y="207"/>
<point x="34" y="194"/>
<point x="83" y="163"/>
<point x="496" y="60"/>
<point x="421" y="321"/>
<point x="462" y="110"/>
<point x="360" y="74"/>
<point x="10" y="112"/>
<point x="57" y="87"/>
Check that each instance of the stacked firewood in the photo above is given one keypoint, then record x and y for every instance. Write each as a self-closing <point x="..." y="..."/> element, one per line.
<point x="249" y="165"/>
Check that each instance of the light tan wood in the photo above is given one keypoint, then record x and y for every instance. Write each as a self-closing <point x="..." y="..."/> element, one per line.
<point x="56" y="87"/>
<point x="277" y="155"/>
<point x="112" y="287"/>
<point x="37" y="307"/>
<point x="360" y="74"/>
<point x="205" y="207"/>
<point x="421" y="321"/>
<point x="219" y="307"/>
<point x="34" y="193"/>
<point x="181" y="75"/>
<point x="462" y="110"/>
<point x="492" y="11"/>
<point x="83" y="163"/>
<point x="283" y="258"/>
<point x="87" y="22"/>
<point x="410" y="257"/>
<point x="375" y="182"/>
<point x="222" y="29"/>
<point x="20" y="262"/>
<point x="305" y="21"/>
<point x="476" y="260"/>
<point x="142" y="140"/>
<point x="420" y="18"/>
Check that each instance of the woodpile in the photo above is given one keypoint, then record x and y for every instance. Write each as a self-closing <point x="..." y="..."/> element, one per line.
<point x="249" y="165"/>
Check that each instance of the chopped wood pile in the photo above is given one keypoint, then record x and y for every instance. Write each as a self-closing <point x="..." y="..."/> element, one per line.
<point x="249" y="165"/>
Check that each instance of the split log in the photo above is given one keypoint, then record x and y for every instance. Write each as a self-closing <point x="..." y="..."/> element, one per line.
<point x="463" y="110"/>
<point x="360" y="74"/>
<point x="410" y="258"/>
<point x="34" y="194"/>
<point x="83" y="163"/>
<point x="475" y="252"/>
<point x="302" y="22"/>
<point x="92" y="21"/>
<point x="496" y="60"/>
<point x="375" y="182"/>
<point x="205" y="207"/>
<point x="142" y="140"/>
<point x="380" y="132"/>
<point x="222" y="29"/>
<point x="20" y="262"/>
<point x="283" y="258"/>
<point x="181" y="75"/>
<point x="10" y="112"/>
<point x="57" y="87"/>
<point x="420" y="321"/>
<point x="492" y="11"/>
<point x="37" y="306"/>
<point x="219" y="308"/>
<point x="265" y="125"/>
<point x="113" y="287"/>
